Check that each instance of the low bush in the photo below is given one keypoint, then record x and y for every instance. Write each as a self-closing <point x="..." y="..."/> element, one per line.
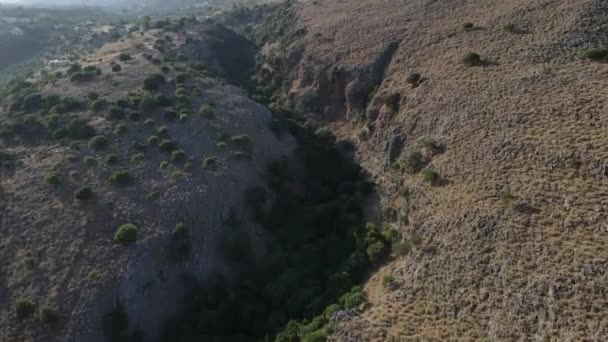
<point x="431" y="176"/>
<point x="123" y="57"/>
<point x="388" y="280"/>
<point x="116" y="68"/>
<point x="468" y="26"/>
<point x="413" y="79"/>
<point x="24" y="308"/>
<point x="241" y="140"/>
<point x="121" y="178"/>
<point x="84" y="193"/>
<point x="98" y="142"/>
<point x="50" y="315"/>
<point x="126" y="234"/>
<point x="471" y="59"/>
<point x="154" y="82"/>
<point x="414" y="161"/>
<point x="167" y="145"/>
<point x="178" y="156"/>
<point x="207" y="112"/>
<point x="209" y="163"/>
<point x="595" y="54"/>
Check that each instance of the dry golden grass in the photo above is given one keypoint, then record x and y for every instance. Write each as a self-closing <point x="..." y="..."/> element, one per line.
<point x="532" y="121"/>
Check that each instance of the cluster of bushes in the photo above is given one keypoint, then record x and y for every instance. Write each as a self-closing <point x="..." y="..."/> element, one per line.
<point x="318" y="250"/>
<point x="86" y="74"/>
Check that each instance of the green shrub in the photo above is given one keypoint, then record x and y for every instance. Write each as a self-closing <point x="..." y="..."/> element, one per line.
<point x="50" y="315"/>
<point x="207" y="112"/>
<point x="162" y="100"/>
<point x="137" y="158"/>
<point x="471" y="59"/>
<point x="178" y="156"/>
<point x="595" y="54"/>
<point x="147" y="103"/>
<point x="179" y="248"/>
<point x="352" y="299"/>
<point x="116" y="68"/>
<point x="153" y="82"/>
<point x="137" y="146"/>
<point x="388" y="280"/>
<point x="392" y="101"/>
<point x="413" y="78"/>
<point x="93" y="96"/>
<point x="24" y="308"/>
<point x="126" y="234"/>
<point x="84" y="193"/>
<point x="121" y="128"/>
<point x="242" y="139"/>
<point x="167" y="145"/>
<point x="121" y="178"/>
<point x="376" y="251"/>
<point x="181" y="78"/>
<point x="507" y="198"/>
<point x="414" y="161"/>
<point x="123" y="57"/>
<point x="52" y="178"/>
<point x="153" y="140"/>
<point x="98" y="142"/>
<point x="163" y="131"/>
<point x="183" y="118"/>
<point x="79" y="129"/>
<point x="209" y="163"/>
<point x="468" y="26"/>
<point x="97" y="105"/>
<point x="431" y="176"/>
<point x="149" y="123"/>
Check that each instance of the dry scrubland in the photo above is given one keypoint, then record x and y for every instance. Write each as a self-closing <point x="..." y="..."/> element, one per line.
<point x="493" y="170"/>
<point x="513" y="233"/>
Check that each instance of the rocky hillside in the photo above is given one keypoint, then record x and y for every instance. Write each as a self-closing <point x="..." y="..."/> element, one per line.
<point x="119" y="178"/>
<point x="200" y="181"/>
<point x="483" y="123"/>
